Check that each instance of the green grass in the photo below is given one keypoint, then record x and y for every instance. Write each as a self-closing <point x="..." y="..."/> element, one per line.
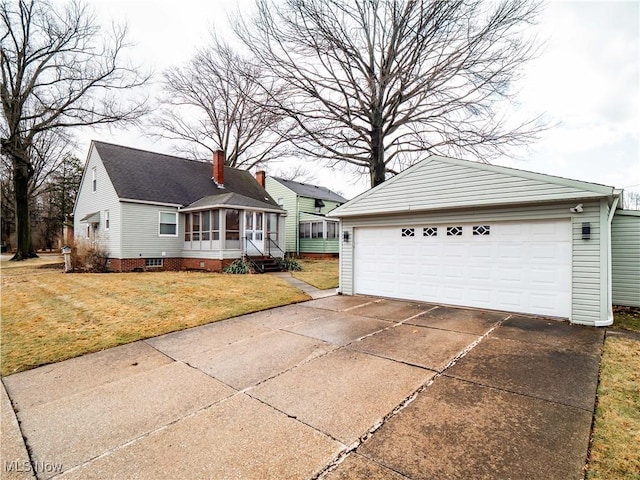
<point x="48" y="316"/>
<point x="322" y="274"/>
<point x="615" y="447"/>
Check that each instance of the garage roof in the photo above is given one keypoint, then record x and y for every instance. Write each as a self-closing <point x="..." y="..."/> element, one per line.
<point x="441" y="182"/>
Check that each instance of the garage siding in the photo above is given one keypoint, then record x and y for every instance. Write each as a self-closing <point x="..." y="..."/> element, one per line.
<point x="588" y="305"/>
<point x="625" y="251"/>
<point x="586" y="269"/>
<point x="455" y="183"/>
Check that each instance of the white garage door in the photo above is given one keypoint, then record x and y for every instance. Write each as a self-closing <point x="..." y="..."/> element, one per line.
<point x="513" y="266"/>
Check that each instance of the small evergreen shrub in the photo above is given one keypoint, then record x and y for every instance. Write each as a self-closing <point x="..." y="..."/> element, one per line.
<point x="239" y="267"/>
<point x="289" y="264"/>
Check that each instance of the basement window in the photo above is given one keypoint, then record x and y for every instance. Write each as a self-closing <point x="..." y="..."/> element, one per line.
<point x="153" y="262"/>
<point x="408" y="232"/>
<point x="454" y="231"/>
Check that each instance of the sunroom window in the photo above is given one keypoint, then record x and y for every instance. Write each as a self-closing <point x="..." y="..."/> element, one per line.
<point x="233" y="225"/>
<point x="203" y="226"/>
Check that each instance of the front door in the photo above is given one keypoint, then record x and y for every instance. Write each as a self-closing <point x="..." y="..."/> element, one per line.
<point x="254" y="232"/>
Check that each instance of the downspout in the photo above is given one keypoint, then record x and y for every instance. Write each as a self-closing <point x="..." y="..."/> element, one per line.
<point x="297" y="225"/>
<point x="612" y="212"/>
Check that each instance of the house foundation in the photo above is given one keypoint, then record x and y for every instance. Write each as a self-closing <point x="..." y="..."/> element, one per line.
<point x="167" y="264"/>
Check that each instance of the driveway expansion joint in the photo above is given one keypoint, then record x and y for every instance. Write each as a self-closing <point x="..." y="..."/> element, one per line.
<point x="404" y="403"/>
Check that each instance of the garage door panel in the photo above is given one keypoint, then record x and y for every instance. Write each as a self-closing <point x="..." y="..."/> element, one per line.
<point x="480" y="273"/>
<point x="523" y="267"/>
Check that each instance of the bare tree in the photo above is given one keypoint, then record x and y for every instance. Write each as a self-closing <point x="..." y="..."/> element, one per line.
<point x="374" y="83"/>
<point x="296" y="173"/>
<point x="631" y="200"/>
<point x="215" y="102"/>
<point x="59" y="70"/>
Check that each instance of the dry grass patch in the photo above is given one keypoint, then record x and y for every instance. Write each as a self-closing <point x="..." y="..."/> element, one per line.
<point x="43" y="263"/>
<point x="615" y="450"/>
<point x="627" y="318"/>
<point x="322" y="274"/>
<point x="48" y="316"/>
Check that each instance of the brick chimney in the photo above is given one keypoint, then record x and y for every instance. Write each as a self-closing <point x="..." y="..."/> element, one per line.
<point x="218" y="167"/>
<point x="260" y="177"/>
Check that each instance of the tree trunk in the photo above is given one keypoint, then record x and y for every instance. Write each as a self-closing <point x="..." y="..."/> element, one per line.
<point x="23" y="218"/>
<point x="377" y="167"/>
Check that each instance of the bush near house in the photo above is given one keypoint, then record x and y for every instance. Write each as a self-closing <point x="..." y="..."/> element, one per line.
<point x="89" y="257"/>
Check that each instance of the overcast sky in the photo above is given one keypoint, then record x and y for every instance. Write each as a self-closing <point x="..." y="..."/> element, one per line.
<point x="587" y="80"/>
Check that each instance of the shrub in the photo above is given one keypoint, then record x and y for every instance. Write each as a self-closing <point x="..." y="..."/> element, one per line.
<point x="289" y="264"/>
<point x="88" y="257"/>
<point x="239" y="266"/>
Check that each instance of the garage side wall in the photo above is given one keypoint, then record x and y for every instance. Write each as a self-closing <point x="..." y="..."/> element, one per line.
<point x="588" y="301"/>
<point x="625" y="250"/>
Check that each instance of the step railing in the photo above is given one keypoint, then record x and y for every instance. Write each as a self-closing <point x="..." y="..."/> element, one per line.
<point x="270" y="244"/>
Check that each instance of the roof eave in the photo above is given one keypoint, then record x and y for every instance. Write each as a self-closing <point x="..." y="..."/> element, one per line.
<point x="425" y="208"/>
<point x="231" y="206"/>
<point x="150" y="202"/>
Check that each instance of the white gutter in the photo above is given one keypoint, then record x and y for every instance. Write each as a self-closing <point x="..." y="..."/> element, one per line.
<point x="609" y="321"/>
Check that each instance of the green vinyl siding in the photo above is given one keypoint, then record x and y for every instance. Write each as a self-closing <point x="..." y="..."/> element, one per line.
<point x="300" y="209"/>
<point x="289" y="203"/>
<point x="625" y="258"/>
<point x="319" y="245"/>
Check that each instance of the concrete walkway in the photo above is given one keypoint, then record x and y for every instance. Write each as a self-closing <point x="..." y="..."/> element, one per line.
<point x="310" y="290"/>
<point x="339" y="387"/>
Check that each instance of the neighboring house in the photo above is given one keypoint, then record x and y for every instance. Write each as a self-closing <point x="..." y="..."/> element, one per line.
<point x="309" y="232"/>
<point x="463" y="233"/>
<point x="155" y="211"/>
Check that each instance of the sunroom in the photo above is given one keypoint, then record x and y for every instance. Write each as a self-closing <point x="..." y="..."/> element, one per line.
<point x="318" y="234"/>
<point x="231" y="226"/>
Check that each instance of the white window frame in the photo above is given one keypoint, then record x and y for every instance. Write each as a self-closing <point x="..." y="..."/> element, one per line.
<point x="175" y="215"/>
<point x="154" y="262"/>
<point x="107" y="220"/>
<point x="337" y="230"/>
<point x="94" y="180"/>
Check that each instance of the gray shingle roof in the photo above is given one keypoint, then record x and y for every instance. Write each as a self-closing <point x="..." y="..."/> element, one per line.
<point x="311" y="191"/>
<point x="155" y="177"/>
<point x="232" y="199"/>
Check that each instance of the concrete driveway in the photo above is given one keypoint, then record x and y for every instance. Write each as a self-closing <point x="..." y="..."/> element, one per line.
<point x="339" y="387"/>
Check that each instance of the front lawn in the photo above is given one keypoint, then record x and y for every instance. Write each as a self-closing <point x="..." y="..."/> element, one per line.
<point x="322" y="274"/>
<point x="615" y="448"/>
<point x="48" y="316"/>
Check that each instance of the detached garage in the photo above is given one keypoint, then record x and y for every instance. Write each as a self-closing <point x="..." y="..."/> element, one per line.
<point x="463" y="233"/>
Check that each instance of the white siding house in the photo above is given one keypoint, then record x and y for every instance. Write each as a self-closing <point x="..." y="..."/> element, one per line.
<point x="463" y="233"/>
<point x="150" y="210"/>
